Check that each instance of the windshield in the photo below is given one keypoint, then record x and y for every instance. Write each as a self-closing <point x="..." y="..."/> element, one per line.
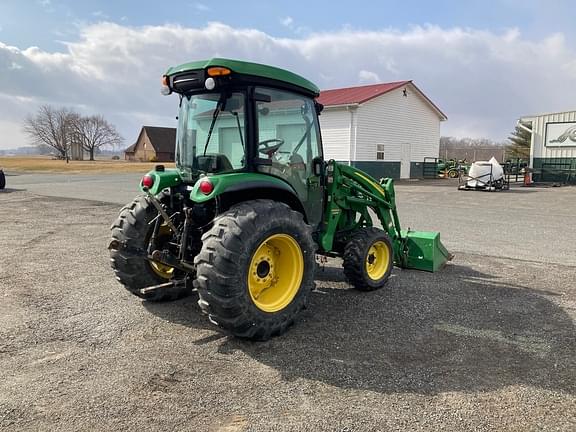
<point x="211" y="133"/>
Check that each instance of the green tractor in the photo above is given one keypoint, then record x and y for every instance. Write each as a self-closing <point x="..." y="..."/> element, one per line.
<point x="251" y="203"/>
<point x="452" y="168"/>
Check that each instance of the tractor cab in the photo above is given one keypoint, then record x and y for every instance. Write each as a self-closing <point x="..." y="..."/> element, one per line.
<point x="237" y="117"/>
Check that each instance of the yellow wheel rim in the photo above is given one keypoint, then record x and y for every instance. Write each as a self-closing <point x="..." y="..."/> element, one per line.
<point x="162" y="270"/>
<point x="275" y="273"/>
<point x="377" y="260"/>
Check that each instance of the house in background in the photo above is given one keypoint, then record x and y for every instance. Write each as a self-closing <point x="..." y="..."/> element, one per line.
<point x="384" y="129"/>
<point x="154" y="144"/>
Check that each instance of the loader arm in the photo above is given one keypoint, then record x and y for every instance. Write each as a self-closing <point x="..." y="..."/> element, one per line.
<point x="351" y="195"/>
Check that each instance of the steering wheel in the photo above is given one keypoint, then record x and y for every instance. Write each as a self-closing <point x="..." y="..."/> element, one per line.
<point x="269" y="150"/>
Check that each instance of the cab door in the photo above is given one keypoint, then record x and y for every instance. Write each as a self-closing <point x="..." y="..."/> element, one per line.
<point x="287" y="123"/>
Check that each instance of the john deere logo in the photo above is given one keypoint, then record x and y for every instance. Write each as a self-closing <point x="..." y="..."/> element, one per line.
<point x="569" y="134"/>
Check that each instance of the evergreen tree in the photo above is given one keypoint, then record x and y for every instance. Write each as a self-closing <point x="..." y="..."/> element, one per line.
<point x="519" y="146"/>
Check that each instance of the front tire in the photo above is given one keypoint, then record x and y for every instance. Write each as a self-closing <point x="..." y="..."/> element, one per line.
<point x="131" y="234"/>
<point x="255" y="271"/>
<point x="2" y="180"/>
<point x="368" y="259"/>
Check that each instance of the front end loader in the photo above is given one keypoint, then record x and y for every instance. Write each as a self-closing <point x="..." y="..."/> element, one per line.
<point x="251" y="203"/>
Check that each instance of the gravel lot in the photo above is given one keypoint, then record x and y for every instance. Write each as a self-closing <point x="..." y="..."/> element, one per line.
<point x="488" y="343"/>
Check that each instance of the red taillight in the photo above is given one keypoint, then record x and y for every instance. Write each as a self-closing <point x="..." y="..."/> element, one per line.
<point x="148" y="181"/>
<point x="206" y="187"/>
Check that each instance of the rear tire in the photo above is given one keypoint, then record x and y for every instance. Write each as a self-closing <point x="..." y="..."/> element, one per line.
<point x="132" y="231"/>
<point x="256" y="268"/>
<point x="453" y="173"/>
<point x="368" y="259"/>
<point x="2" y="180"/>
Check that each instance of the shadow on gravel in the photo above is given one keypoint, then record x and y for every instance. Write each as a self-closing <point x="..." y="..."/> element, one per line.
<point x="512" y="190"/>
<point x="457" y="330"/>
<point x="518" y="191"/>
<point x="10" y="190"/>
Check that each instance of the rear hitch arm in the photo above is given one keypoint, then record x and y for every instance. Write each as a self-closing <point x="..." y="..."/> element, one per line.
<point x="168" y="259"/>
<point x="161" y="211"/>
<point x="172" y="284"/>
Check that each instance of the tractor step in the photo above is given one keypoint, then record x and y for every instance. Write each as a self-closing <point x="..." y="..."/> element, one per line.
<point x="425" y="251"/>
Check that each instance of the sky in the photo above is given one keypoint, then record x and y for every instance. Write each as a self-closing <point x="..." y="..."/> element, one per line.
<point x="484" y="63"/>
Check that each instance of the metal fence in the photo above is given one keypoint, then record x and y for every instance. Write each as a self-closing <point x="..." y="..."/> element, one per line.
<point x="555" y="170"/>
<point x="430" y="168"/>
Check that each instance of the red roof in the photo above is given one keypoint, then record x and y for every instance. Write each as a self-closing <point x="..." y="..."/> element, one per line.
<point x="361" y="94"/>
<point x="357" y="95"/>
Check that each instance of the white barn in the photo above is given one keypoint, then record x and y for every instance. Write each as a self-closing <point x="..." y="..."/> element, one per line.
<point x="553" y="146"/>
<point x="384" y="129"/>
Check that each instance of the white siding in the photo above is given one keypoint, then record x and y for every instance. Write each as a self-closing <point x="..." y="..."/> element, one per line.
<point x="335" y="127"/>
<point x="539" y="130"/>
<point x="393" y="120"/>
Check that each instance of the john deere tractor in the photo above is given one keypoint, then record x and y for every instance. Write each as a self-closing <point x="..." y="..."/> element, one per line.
<point x="251" y="203"/>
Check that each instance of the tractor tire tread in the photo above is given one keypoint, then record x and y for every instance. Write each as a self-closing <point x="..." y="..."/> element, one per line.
<point x="355" y="255"/>
<point x="132" y="270"/>
<point x="221" y="268"/>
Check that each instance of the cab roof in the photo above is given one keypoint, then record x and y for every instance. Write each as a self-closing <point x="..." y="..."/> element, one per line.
<point x="247" y="68"/>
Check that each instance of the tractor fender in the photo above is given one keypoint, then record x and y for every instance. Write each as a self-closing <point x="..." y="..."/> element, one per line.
<point x="162" y="179"/>
<point x="260" y="189"/>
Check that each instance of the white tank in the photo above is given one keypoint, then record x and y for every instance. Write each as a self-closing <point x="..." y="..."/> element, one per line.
<point x="481" y="171"/>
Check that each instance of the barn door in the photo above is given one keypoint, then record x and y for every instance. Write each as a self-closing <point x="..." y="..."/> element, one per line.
<point x="405" y="161"/>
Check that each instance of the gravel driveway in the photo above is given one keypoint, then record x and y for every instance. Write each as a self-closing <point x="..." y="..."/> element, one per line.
<point x="486" y="344"/>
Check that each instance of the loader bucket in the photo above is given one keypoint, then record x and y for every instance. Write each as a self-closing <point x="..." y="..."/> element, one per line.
<point x="425" y="251"/>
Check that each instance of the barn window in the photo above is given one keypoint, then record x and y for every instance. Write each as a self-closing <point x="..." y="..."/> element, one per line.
<point x="380" y="151"/>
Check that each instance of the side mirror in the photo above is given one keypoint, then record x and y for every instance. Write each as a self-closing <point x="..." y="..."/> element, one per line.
<point x="319" y="107"/>
<point x="318" y="166"/>
<point x="232" y="105"/>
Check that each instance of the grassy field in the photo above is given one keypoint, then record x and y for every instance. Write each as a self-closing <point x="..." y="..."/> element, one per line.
<point x="46" y="164"/>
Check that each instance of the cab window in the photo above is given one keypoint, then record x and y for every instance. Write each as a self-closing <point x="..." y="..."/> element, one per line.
<point x="288" y="136"/>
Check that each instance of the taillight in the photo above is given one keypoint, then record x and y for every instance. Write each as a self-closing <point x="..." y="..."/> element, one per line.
<point x="206" y="187"/>
<point x="148" y="181"/>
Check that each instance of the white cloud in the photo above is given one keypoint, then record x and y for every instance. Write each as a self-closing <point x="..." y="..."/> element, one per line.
<point x="365" y="76"/>
<point x="482" y="80"/>
<point x="99" y="14"/>
<point x="287" y="22"/>
<point x="201" y="7"/>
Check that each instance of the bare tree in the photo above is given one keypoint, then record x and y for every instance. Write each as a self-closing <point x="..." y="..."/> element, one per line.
<point x="52" y="127"/>
<point x="471" y="149"/>
<point x="94" y="132"/>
